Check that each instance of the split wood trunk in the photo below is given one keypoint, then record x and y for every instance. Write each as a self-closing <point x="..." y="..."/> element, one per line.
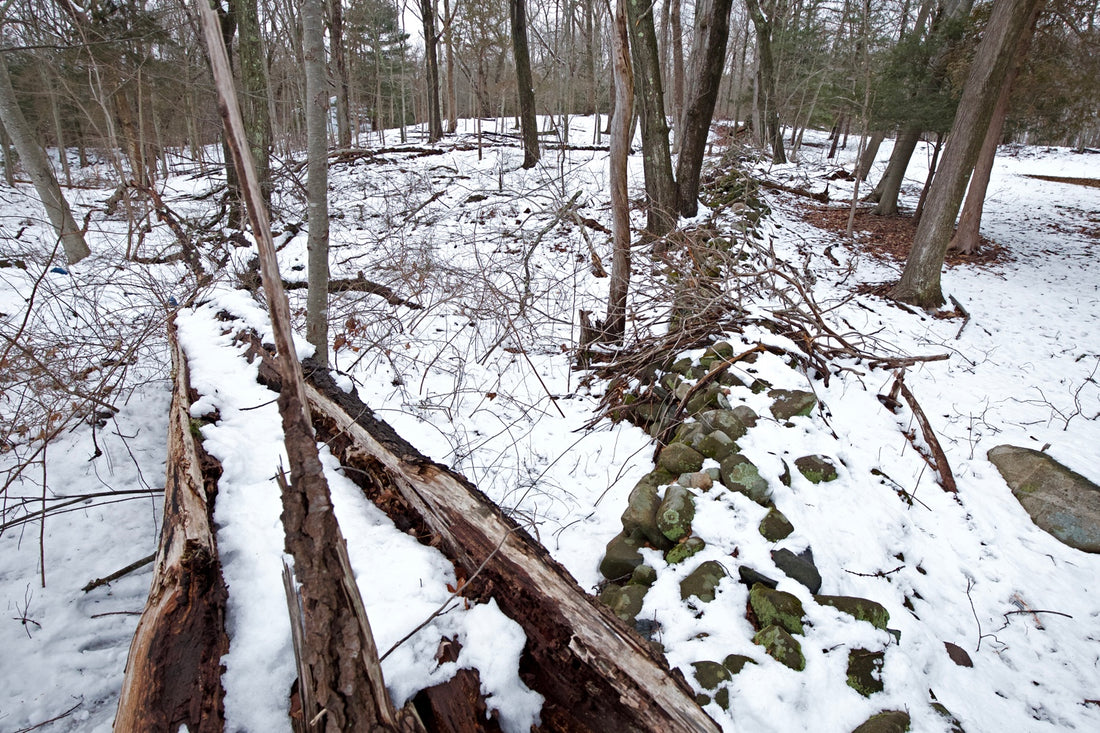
<point x="594" y="672"/>
<point x="173" y="672"/>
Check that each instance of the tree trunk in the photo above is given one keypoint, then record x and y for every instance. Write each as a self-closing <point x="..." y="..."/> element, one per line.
<point x="339" y="652"/>
<point x="967" y="237"/>
<point x="765" y="71"/>
<point x="920" y="281"/>
<point x="340" y="69"/>
<point x="863" y="169"/>
<point x="677" y="42"/>
<point x="431" y="41"/>
<point x="253" y="70"/>
<point x="919" y="212"/>
<point x="528" y="123"/>
<point x="615" y="323"/>
<point x="173" y="671"/>
<point x="707" y="61"/>
<point x="448" y="41"/>
<point x="317" y="184"/>
<point x="38" y="168"/>
<point x="661" y="213"/>
<point x="888" y="188"/>
<point x="5" y="150"/>
<point x="594" y="672"/>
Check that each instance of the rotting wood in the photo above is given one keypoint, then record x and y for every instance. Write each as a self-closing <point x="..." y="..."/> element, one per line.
<point x="947" y="478"/>
<point x="822" y="196"/>
<point x="594" y="672"/>
<point x="457" y="705"/>
<point x="173" y="672"/>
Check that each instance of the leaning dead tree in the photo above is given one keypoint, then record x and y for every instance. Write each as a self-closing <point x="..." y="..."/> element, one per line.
<point x="173" y="672"/>
<point x="594" y="672"/>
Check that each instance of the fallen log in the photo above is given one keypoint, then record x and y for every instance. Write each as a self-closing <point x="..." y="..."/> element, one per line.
<point x="595" y="673"/>
<point x="173" y="672"/>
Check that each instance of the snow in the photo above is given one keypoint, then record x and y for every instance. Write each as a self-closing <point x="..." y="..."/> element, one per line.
<point x="479" y="383"/>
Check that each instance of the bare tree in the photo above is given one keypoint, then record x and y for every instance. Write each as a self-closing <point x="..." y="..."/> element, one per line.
<point x="920" y="281"/>
<point x="528" y="123"/>
<point x="615" y="324"/>
<point x="317" y="184"/>
<point x="431" y="60"/>
<point x="765" y="71"/>
<point x="38" y="168"/>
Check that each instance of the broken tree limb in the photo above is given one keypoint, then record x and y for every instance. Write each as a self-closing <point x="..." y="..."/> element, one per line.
<point x="93" y="584"/>
<point x="593" y="671"/>
<point x="947" y="478"/>
<point x="173" y="672"/>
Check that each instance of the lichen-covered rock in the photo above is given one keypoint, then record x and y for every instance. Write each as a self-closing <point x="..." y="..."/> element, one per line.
<point x="860" y="608"/>
<point x="888" y="721"/>
<point x="675" y="513"/>
<point x="1059" y="501"/>
<point x="704" y="399"/>
<point x="800" y="567"/>
<point x="682" y="366"/>
<point x="702" y="581"/>
<point x="684" y="550"/>
<point x="640" y="516"/>
<point x="775" y="607"/>
<point x="865" y="671"/>
<point x="621" y="556"/>
<point x="816" y="469"/>
<point x="689" y="433"/>
<point x="775" y="526"/>
<point x="736" y="662"/>
<point x="625" y="602"/>
<point x="725" y="421"/>
<point x="791" y="402"/>
<point x="643" y="575"/>
<point x="719" y="351"/>
<point x="677" y="458"/>
<point x="716" y="445"/>
<point x="781" y="646"/>
<point x="746" y="415"/>
<point x="710" y="675"/>
<point x="739" y="474"/>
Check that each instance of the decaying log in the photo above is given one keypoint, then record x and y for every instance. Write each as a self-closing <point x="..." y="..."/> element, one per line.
<point x="457" y="705"/>
<point x="594" y="672"/>
<point x="173" y="672"/>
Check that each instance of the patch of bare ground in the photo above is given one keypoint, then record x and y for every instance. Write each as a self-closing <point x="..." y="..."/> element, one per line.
<point x="891" y="237"/>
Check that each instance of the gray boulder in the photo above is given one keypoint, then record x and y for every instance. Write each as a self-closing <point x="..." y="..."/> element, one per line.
<point x="1060" y="501"/>
<point x="675" y="513"/>
<point x="791" y="402"/>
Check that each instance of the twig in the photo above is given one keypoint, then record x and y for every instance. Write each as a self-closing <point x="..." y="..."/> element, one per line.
<point x="966" y="315"/>
<point x="877" y="573"/>
<point x="54" y="719"/>
<point x="92" y="585"/>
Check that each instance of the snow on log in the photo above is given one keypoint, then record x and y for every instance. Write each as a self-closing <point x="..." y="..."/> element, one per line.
<point x="173" y="672"/>
<point x="595" y="673"/>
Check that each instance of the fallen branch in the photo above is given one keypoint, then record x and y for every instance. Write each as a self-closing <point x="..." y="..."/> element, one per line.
<point x="822" y="196"/>
<point x="966" y="315"/>
<point x="119" y="573"/>
<point x="357" y="284"/>
<point x="947" y="478"/>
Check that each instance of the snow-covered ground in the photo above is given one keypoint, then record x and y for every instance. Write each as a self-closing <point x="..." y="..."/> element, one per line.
<point x="501" y="265"/>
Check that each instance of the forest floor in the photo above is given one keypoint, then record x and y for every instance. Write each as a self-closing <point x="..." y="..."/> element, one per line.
<point x="479" y="374"/>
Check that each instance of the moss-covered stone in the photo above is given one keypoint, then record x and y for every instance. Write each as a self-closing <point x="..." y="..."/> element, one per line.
<point x="726" y="421"/>
<point x="865" y="671"/>
<point x="791" y="402"/>
<point x="675" y="513"/>
<point x="640" y="516"/>
<point x="720" y="350"/>
<point x="682" y="366"/>
<point x="677" y="458"/>
<point x="684" y="550"/>
<point x="736" y="662"/>
<point x="716" y="445"/>
<point x="888" y="721"/>
<point x="775" y="526"/>
<point x="626" y="602"/>
<point x="689" y="433"/>
<point x="739" y="474"/>
<point x="710" y="675"/>
<point x="775" y="607"/>
<point x="621" y="556"/>
<point x="949" y="718"/>
<point x="781" y="646"/>
<point x="860" y="608"/>
<point x="706" y="398"/>
<point x="643" y="575"/>
<point x="816" y="469"/>
<point x="703" y="581"/>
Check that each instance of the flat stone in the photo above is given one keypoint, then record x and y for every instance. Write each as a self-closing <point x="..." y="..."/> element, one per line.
<point x="699" y="480"/>
<point x="816" y="469"/>
<point x="799" y="567"/>
<point x="689" y="547"/>
<point x="775" y="526"/>
<point x="736" y="662"/>
<point x="865" y="671"/>
<point x="888" y="721"/>
<point x="677" y="458"/>
<point x="675" y="513"/>
<point x="739" y="474"/>
<point x="775" y="607"/>
<point x="791" y="402"/>
<point x="621" y="556"/>
<point x="1059" y="501"/>
<point x="751" y="577"/>
<point x="710" y="674"/>
<point x="859" y="608"/>
<point x="781" y="647"/>
<point x="703" y="581"/>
